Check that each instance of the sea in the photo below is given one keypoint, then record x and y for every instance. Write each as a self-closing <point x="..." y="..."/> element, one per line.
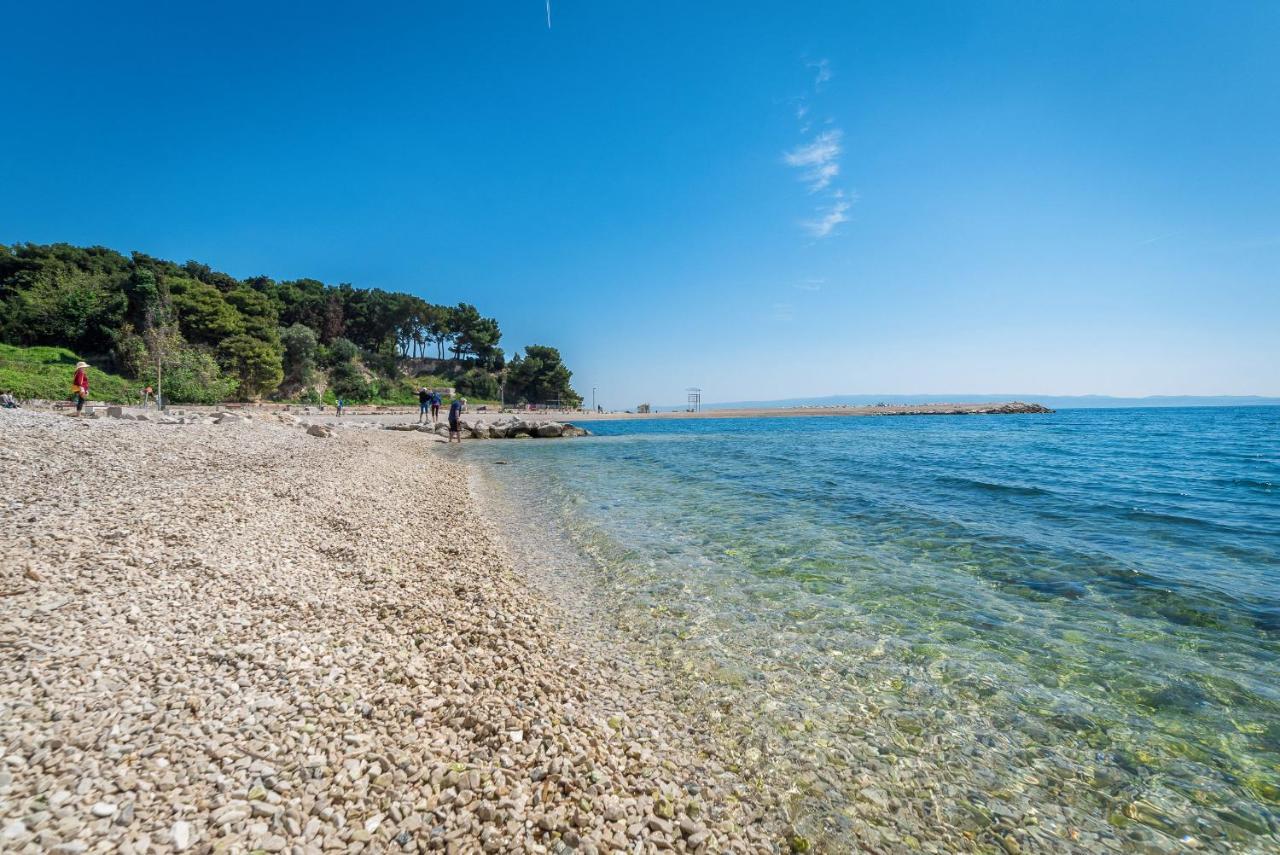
<point x="992" y="633"/>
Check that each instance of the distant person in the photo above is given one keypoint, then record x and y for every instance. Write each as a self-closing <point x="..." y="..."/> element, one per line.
<point x="147" y="393"/>
<point x="424" y="404"/>
<point x="80" y="386"/>
<point x="435" y="406"/>
<point x="455" y="416"/>
<point x="7" y="401"/>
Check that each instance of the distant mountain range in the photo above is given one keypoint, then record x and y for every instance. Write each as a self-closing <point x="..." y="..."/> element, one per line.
<point x="1057" y="402"/>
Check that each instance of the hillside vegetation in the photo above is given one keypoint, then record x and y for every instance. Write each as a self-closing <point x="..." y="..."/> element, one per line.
<point x="46" y="372"/>
<point x="207" y="336"/>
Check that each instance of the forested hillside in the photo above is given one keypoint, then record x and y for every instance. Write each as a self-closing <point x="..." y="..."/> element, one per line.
<point x="213" y="337"/>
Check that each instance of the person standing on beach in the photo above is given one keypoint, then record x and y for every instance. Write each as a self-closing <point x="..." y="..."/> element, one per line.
<point x="80" y="385"/>
<point x="424" y="400"/>
<point x="455" y="416"/>
<point x="435" y="406"/>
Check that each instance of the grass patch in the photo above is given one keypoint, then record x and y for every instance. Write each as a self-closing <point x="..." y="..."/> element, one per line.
<point x="46" y="372"/>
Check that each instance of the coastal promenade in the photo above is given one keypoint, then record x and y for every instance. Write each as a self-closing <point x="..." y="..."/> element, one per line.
<point x="244" y="637"/>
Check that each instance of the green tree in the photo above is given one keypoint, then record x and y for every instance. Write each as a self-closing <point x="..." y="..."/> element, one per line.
<point x="253" y="362"/>
<point x="300" y="348"/>
<point x="341" y="350"/>
<point x="478" y="383"/>
<point x="203" y="313"/>
<point x="540" y="377"/>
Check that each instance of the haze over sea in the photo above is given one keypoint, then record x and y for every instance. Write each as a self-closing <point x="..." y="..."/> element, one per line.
<point x="1067" y="622"/>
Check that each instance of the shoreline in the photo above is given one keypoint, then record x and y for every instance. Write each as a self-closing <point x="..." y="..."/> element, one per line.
<point x="881" y="735"/>
<point x="357" y="413"/>
<point x="243" y="636"/>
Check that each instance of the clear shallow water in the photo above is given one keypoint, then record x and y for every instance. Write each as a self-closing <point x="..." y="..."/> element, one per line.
<point x="1062" y="628"/>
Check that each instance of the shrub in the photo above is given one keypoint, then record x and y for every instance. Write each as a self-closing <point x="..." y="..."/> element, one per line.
<point x="477" y="383"/>
<point x="348" y="383"/>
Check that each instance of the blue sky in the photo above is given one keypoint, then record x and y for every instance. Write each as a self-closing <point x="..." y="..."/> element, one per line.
<point x="764" y="199"/>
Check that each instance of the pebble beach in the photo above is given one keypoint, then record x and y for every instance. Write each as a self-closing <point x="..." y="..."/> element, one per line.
<point x="246" y="637"/>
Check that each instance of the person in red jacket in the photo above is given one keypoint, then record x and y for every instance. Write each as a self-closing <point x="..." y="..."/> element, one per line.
<point x="80" y="385"/>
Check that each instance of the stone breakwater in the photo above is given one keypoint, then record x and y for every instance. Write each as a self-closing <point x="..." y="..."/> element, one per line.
<point x="503" y="427"/>
<point x="237" y="637"/>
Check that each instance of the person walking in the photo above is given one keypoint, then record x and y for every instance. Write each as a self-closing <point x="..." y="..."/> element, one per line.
<point x="424" y="404"/>
<point x="435" y="406"/>
<point x="455" y="417"/>
<point x="80" y="386"/>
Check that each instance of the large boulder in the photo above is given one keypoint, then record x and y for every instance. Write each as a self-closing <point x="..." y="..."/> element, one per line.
<point x="547" y="430"/>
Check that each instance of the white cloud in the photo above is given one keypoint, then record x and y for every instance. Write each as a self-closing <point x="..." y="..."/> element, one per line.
<point x="829" y="217"/>
<point x="819" y="159"/>
<point x="783" y="312"/>
<point x="822" y="73"/>
<point x="809" y="285"/>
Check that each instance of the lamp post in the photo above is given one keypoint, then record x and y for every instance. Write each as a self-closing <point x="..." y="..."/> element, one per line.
<point x="593" y="399"/>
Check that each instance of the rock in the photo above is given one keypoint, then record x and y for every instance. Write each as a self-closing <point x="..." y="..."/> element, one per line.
<point x="115" y="412"/>
<point x="274" y="843"/>
<point x="72" y="847"/>
<point x="103" y="809"/>
<point x="657" y="823"/>
<point x="550" y="429"/>
<point x="180" y="834"/>
<point x="320" y="431"/>
<point x="33" y="574"/>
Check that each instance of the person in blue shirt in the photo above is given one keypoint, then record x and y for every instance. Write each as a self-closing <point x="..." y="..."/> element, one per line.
<point x="423" y="402"/>
<point x="455" y="416"/>
<point x="435" y="406"/>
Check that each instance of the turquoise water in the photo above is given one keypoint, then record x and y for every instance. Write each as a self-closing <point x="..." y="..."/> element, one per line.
<point x="1063" y="628"/>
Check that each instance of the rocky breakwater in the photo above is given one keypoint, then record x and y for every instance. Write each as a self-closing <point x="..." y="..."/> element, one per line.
<point x="503" y="427"/>
<point x="237" y="638"/>
<point x="1009" y="408"/>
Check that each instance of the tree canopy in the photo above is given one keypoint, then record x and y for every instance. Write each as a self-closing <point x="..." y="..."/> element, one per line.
<point x="540" y="377"/>
<point x="261" y="336"/>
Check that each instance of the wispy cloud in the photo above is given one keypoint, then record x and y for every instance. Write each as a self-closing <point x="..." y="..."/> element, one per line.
<point x="821" y="73"/>
<point x="809" y="285"/>
<point x="784" y="312"/>
<point x="819" y="159"/>
<point x="829" y="217"/>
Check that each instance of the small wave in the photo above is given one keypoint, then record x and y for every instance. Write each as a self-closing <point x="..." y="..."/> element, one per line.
<point x="1251" y="484"/>
<point x="1142" y="515"/>
<point x="995" y="487"/>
